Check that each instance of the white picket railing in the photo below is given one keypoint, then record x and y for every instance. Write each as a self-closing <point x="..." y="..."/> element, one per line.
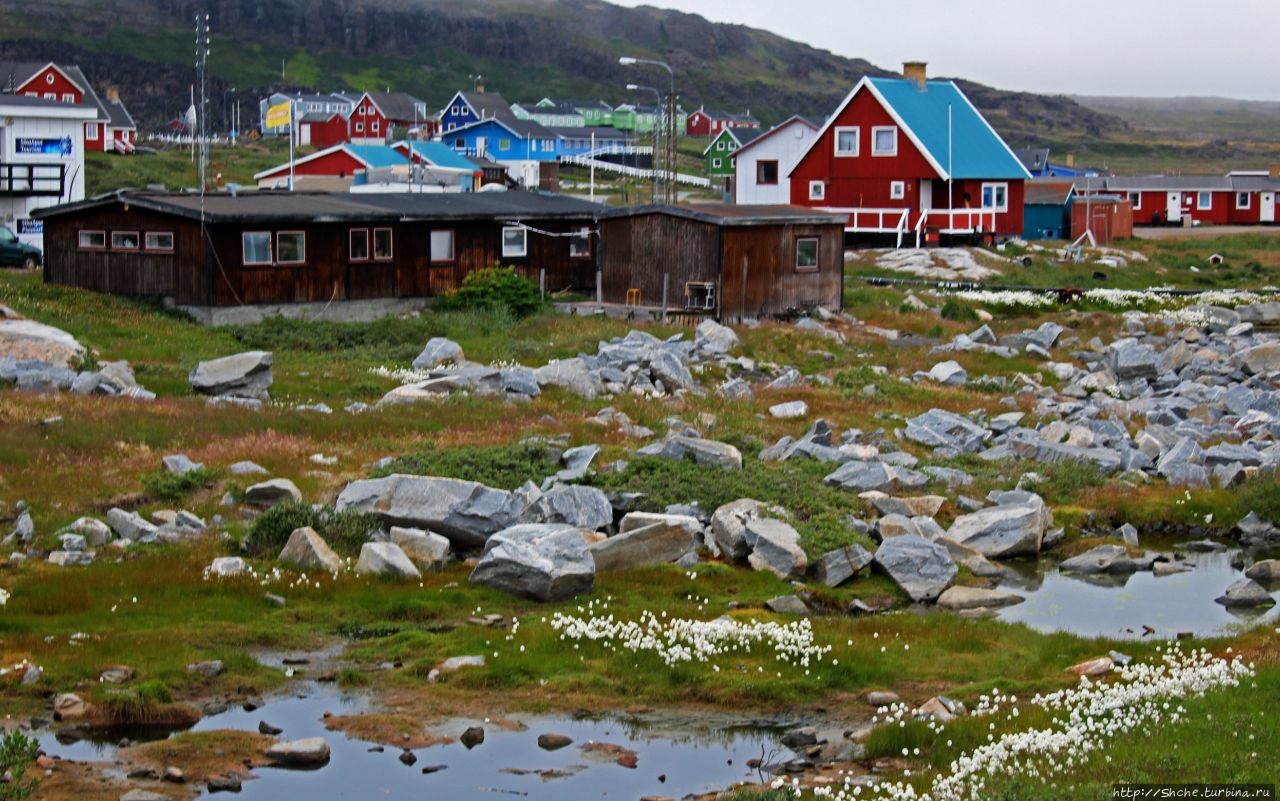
<point x="633" y="172"/>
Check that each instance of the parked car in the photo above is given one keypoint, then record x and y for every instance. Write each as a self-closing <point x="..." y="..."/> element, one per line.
<point x="17" y="254"/>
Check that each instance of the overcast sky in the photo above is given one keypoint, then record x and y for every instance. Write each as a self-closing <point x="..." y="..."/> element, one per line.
<point x="1220" y="48"/>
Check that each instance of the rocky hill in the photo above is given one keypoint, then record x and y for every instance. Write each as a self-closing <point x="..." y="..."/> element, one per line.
<point x="525" y="49"/>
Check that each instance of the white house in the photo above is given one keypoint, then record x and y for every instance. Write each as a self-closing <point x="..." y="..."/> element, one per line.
<point x="41" y="159"/>
<point x="762" y="166"/>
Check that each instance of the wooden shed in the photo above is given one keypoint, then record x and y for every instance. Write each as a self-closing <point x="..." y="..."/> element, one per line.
<point x="269" y="248"/>
<point x="1109" y="217"/>
<point x="730" y="262"/>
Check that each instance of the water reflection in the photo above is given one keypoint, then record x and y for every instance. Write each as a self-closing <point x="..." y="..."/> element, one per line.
<point x="1128" y="606"/>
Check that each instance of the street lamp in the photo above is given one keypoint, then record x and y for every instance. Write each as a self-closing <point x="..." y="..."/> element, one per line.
<point x="631" y="87"/>
<point x="668" y="125"/>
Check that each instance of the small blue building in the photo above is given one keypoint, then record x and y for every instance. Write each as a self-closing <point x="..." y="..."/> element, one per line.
<point x="1047" y="209"/>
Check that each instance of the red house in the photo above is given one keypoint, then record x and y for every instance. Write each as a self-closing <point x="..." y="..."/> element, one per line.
<point x="332" y="169"/>
<point x="912" y="157"/>
<point x="112" y="129"/>
<point x="375" y="115"/>
<point x="709" y="122"/>
<point x="322" y="130"/>
<point x="1239" y="198"/>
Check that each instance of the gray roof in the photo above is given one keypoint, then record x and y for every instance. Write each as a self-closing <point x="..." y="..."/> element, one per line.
<point x="1047" y="192"/>
<point x="1254" y="183"/>
<point x="1033" y="158"/>
<point x="15" y="73"/>
<point x="1157" y="183"/>
<point x="731" y="214"/>
<point x="268" y="206"/>
<point x="488" y="104"/>
<point x="119" y="115"/>
<point x="398" y="105"/>
<point x="601" y="132"/>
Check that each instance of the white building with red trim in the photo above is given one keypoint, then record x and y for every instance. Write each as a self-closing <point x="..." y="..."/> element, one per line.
<point x="41" y="159"/>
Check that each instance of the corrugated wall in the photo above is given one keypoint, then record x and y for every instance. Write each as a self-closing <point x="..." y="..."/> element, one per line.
<point x="637" y="252"/>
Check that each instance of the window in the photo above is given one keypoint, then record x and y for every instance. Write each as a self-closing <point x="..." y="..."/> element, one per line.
<point x="68" y="97"/>
<point x="48" y="78"/>
<point x="995" y="197"/>
<point x="767" y="172"/>
<point x="1243" y="200"/>
<point x="897" y="190"/>
<point x="720" y="145"/>
<point x="817" y="190"/>
<point x="93" y="240"/>
<point x="359" y="244"/>
<point x="807" y="254"/>
<point x="1204" y="200"/>
<point x="382" y="243"/>
<point x="580" y="244"/>
<point x="124" y="240"/>
<point x="359" y="127"/>
<point x="715" y="163"/>
<point x="884" y="140"/>
<point x="847" y="142"/>
<point x="1136" y="199"/>
<point x="377" y="126"/>
<point x="442" y="245"/>
<point x="50" y="95"/>
<point x="514" y="241"/>
<point x="504" y="144"/>
<point x="256" y="247"/>
<point x="161" y="241"/>
<point x="291" y="247"/>
<point x="91" y="132"/>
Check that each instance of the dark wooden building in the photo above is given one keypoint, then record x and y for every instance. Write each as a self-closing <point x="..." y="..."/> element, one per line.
<point x="731" y="262"/>
<point x="271" y="248"/>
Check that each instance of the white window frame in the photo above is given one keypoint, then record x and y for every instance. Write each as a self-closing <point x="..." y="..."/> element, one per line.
<point x="817" y="250"/>
<point x="999" y="196"/>
<point x="510" y="250"/>
<point x="580" y="243"/>
<point x="244" y="252"/>
<point x="440" y="237"/>
<point x="1247" y="197"/>
<point x="359" y="127"/>
<point x="351" y="244"/>
<point x="92" y="239"/>
<point x="48" y="78"/>
<point x="897" y="190"/>
<point x="876" y="131"/>
<point x="120" y="242"/>
<point x="375" y="126"/>
<point x="1204" y="201"/>
<point x="68" y="97"/>
<point x="857" y="141"/>
<point x="302" y="246"/>
<point x="817" y="190"/>
<point x="91" y="132"/>
<point x="155" y="241"/>
<point x="776" y="172"/>
<point x="373" y="242"/>
<point x="715" y="164"/>
<point x="1136" y="199"/>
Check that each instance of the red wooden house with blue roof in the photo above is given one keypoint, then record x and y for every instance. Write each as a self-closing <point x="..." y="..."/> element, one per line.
<point x="911" y="157"/>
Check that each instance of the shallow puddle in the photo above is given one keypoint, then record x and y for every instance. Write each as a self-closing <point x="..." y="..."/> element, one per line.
<point x="1137" y="605"/>
<point x="670" y="760"/>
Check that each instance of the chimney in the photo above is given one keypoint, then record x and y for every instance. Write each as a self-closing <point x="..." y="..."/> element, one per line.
<point x="113" y="94"/>
<point x="915" y="71"/>
<point x="1274" y="171"/>
<point x="479" y="87"/>
<point x="1071" y="159"/>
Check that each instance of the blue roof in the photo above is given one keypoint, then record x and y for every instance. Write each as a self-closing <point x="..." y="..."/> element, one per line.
<point x="378" y="155"/>
<point x="976" y="150"/>
<point x="441" y="155"/>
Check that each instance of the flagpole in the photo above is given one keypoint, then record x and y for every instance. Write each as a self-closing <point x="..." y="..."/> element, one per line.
<point x="191" y="125"/>
<point x="292" y="125"/>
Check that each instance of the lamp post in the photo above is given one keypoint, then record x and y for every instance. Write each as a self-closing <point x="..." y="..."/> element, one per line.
<point x="656" y="126"/>
<point x="668" y="126"/>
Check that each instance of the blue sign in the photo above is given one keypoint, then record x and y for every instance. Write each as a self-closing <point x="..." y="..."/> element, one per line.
<point x="32" y="227"/>
<point x="44" y="147"/>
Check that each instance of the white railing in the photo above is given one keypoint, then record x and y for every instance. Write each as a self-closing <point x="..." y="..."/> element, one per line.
<point x="898" y="221"/>
<point x="633" y="172"/>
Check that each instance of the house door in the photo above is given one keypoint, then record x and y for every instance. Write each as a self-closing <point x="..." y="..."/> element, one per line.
<point x="1173" y="213"/>
<point x="926" y="194"/>
<point x="482" y="146"/>
<point x="1267" y="207"/>
<point x="304" y="135"/>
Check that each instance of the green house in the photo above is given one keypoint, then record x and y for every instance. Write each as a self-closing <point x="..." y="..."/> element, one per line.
<point x="719" y="153"/>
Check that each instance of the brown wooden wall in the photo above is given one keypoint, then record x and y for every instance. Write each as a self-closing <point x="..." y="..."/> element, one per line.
<point x="122" y="272"/>
<point x="765" y="257"/>
<point x="637" y="251"/>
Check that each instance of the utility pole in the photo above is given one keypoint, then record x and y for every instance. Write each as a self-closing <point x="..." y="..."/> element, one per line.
<point x="202" y="74"/>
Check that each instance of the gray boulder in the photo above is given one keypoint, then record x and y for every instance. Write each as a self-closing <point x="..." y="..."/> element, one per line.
<point x="385" y="559"/>
<point x="571" y="375"/>
<point x="571" y="504"/>
<point x="714" y="338"/>
<point x="948" y="373"/>
<point x="1128" y="359"/>
<point x="1039" y="450"/>
<point x="309" y="752"/>
<point x="775" y="547"/>
<point x="861" y="476"/>
<point x="1005" y="530"/>
<point x="1261" y="359"/>
<point x="963" y="598"/>
<point x="1266" y="571"/>
<point x="425" y="548"/>
<point x="71" y="558"/>
<point x="787" y="605"/>
<point x="178" y="464"/>
<point x="836" y="567"/>
<point x="657" y="543"/>
<point x="1245" y="593"/>
<point x="464" y="511"/>
<point x="308" y="550"/>
<point x="923" y="569"/>
<point x="1102" y="559"/>
<point x="95" y="532"/>
<point x="244" y="375"/>
<point x="729" y="528"/>
<point x="228" y="566"/>
<point x="938" y="428"/>
<point x="131" y="525"/>
<point x="668" y="368"/>
<point x="705" y="452"/>
<point x="271" y="492"/>
<point x="540" y="562"/>
<point x="246" y="468"/>
<point x="438" y="350"/>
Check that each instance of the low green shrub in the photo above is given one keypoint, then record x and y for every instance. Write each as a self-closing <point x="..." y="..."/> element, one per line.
<point x="17" y="753"/>
<point x="345" y="531"/>
<point x="503" y="466"/>
<point x="166" y="486"/>
<point x="953" y="309"/>
<point x="495" y="286"/>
